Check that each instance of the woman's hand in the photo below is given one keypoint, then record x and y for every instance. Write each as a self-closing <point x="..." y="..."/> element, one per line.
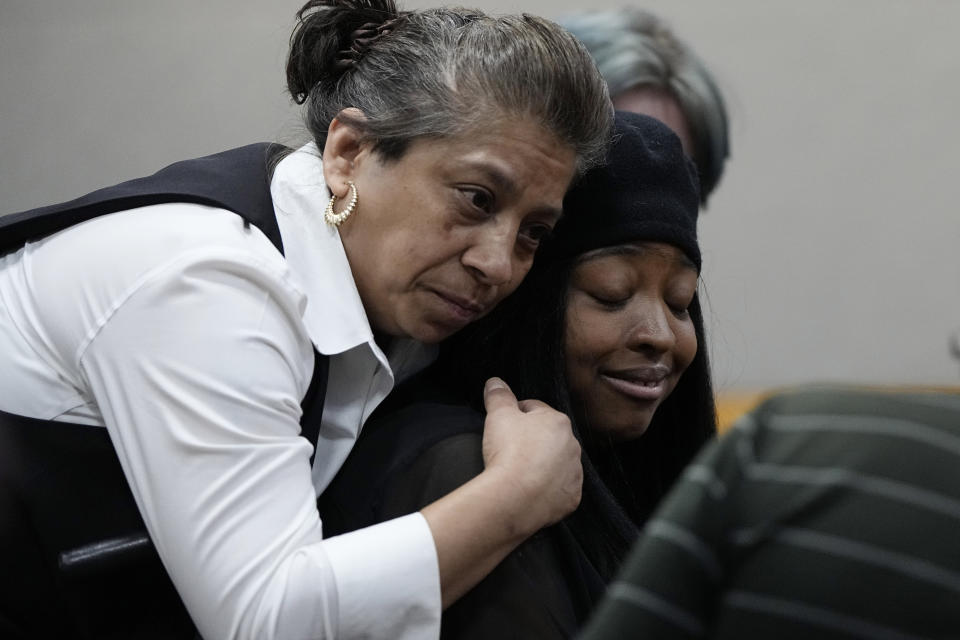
<point x="532" y="478"/>
<point x="530" y="447"/>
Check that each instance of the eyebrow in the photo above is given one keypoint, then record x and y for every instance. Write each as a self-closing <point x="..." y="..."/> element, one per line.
<point x="506" y="184"/>
<point x="633" y="249"/>
<point x="499" y="178"/>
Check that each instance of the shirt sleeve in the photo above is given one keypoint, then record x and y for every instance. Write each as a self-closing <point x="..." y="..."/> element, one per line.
<point x="669" y="585"/>
<point x="198" y="373"/>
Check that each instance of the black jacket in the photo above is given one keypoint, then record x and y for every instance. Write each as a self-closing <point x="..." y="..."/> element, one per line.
<point x="75" y="556"/>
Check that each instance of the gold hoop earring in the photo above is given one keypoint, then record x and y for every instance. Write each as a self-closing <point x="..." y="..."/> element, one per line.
<point x="335" y="219"/>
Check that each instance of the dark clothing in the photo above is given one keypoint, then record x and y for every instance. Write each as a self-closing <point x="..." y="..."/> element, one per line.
<point x="237" y="180"/>
<point x="823" y="514"/>
<point x="425" y="442"/>
<point x="76" y="557"/>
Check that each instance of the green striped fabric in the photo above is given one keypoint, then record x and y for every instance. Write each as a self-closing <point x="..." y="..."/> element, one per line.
<point x="825" y="513"/>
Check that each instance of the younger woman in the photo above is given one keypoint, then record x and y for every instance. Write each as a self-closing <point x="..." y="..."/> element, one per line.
<point x="608" y="329"/>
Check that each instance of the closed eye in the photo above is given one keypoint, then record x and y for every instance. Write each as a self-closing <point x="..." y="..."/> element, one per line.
<point x="610" y="301"/>
<point x="679" y="312"/>
<point x="679" y="308"/>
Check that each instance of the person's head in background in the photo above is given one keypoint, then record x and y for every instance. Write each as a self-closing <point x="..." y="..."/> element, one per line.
<point x="649" y="70"/>
<point x="457" y="135"/>
<point x="608" y="329"/>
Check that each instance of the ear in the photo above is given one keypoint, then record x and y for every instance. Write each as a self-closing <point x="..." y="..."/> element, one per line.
<point x="340" y="153"/>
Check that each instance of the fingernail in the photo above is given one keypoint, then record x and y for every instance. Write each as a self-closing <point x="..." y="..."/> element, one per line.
<point x="495" y="383"/>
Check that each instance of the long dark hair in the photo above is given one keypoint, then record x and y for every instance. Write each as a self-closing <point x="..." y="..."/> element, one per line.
<point x="522" y="341"/>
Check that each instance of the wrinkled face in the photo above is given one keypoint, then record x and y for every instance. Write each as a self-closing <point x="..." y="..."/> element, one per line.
<point x="446" y="231"/>
<point x="629" y="336"/>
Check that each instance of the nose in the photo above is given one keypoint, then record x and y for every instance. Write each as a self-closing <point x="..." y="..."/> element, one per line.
<point x="490" y="258"/>
<point x="651" y="330"/>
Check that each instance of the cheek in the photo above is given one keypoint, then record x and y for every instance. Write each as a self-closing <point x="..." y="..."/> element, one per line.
<point x="686" y="346"/>
<point x="573" y="338"/>
<point x="520" y="269"/>
<point x="587" y="339"/>
<point x="426" y="247"/>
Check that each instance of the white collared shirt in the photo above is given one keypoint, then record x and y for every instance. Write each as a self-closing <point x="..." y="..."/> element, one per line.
<point x="189" y="337"/>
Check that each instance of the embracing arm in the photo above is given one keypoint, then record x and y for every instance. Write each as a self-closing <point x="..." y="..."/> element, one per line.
<point x="541" y="589"/>
<point x="198" y="375"/>
<point x="191" y="348"/>
<point x="532" y="478"/>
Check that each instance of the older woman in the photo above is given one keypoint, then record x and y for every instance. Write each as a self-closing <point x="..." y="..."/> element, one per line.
<point x="224" y="328"/>
<point x="608" y="328"/>
<point x="650" y="70"/>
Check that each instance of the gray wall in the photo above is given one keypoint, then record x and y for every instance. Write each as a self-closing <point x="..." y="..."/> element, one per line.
<point x="830" y="247"/>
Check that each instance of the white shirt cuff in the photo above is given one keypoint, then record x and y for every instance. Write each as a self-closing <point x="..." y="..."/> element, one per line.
<point x="388" y="580"/>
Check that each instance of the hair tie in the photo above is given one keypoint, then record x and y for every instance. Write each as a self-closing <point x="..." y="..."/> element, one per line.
<point x="360" y="42"/>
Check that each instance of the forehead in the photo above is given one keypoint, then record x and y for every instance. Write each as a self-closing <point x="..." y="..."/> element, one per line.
<point x="513" y="153"/>
<point x="660" y="251"/>
<point x="509" y="132"/>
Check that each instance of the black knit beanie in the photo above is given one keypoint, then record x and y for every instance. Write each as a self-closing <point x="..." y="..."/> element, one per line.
<point x="647" y="191"/>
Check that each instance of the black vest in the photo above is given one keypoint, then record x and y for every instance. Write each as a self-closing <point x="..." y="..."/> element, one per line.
<point x="75" y="558"/>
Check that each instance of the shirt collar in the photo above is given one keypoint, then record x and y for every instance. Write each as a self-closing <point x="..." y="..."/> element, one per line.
<point x="334" y="316"/>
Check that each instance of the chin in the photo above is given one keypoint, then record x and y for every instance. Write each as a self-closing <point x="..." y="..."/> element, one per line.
<point x="631" y="432"/>
<point x="431" y="333"/>
<point x="620" y="431"/>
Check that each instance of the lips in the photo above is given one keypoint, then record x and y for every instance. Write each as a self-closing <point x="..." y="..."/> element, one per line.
<point x="648" y="382"/>
<point x="461" y="310"/>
